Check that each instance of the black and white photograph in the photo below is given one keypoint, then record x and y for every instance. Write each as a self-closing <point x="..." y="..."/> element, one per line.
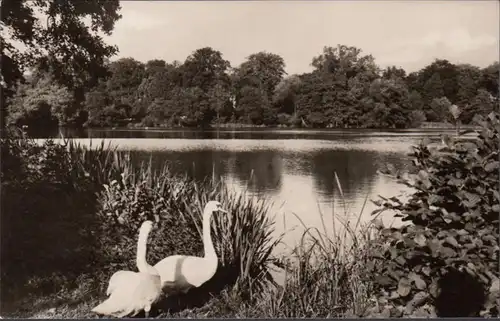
<point x="249" y="159"/>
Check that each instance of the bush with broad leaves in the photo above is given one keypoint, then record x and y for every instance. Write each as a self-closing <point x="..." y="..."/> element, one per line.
<point x="422" y="267"/>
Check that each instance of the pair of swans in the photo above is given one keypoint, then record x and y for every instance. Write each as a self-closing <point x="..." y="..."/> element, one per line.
<point x="131" y="292"/>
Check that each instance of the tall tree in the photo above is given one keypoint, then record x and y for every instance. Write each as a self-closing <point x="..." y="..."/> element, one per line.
<point x="490" y="77"/>
<point x="261" y="69"/>
<point x="126" y="76"/>
<point x="253" y="106"/>
<point x="440" y="108"/>
<point x="483" y="104"/>
<point x="157" y="86"/>
<point x="393" y="71"/>
<point x="58" y="39"/>
<point x="388" y="105"/>
<point x="258" y="75"/>
<point x="285" y="94"/>
<point x="42" y="103"/>
<point x="432" y="89"/>
<point x="345" y="62"/>
<point x="205" y="68"/>
<point x="448" y="78"/>
<point x="468" y="80"/>
<point x="98" y="104"/>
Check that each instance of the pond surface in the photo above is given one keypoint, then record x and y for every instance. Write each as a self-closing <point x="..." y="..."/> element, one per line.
<point x="292" y="168"/>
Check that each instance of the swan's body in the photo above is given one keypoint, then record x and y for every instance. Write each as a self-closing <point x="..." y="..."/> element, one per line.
<point x="118" y="278"/>
<point x="179" y="273"/>
<point x="131" y="292"/>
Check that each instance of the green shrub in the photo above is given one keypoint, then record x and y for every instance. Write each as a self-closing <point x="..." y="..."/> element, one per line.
<point x="446" y="262"/>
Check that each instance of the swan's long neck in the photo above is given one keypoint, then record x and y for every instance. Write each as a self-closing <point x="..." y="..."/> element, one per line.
<point x="208" y="245"/>
<point x="142" y="264"/>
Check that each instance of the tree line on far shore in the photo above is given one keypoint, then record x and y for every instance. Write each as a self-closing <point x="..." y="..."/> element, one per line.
<point x="73" y="83"/>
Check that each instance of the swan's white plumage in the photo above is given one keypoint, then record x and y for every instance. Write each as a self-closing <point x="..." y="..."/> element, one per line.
<point x="118" y="278"/>
<point x="130" y="298"/>
<point x="179" y="273"/>
<point x="130" y="292"/>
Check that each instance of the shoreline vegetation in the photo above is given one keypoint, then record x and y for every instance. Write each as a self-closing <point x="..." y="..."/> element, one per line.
<point x="345" y="90"/>
<point x="423" y="125"/>
<point x="366" y="270"/>
<point x="70" y="214"/>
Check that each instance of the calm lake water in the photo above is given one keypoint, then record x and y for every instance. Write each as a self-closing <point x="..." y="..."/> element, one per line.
<point x="292" y="168"/>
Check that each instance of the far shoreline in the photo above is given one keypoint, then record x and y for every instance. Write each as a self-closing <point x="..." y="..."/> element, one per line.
<point x="426" y="125"/>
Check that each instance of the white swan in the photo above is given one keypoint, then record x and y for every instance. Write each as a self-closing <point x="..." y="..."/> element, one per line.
<point x="130" y="292"/>
<point x="179" y="273"/>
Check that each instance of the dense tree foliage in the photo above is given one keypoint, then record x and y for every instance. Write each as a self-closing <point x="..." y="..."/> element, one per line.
<point x="345" y="89"/>
<point x="60" y="37"/>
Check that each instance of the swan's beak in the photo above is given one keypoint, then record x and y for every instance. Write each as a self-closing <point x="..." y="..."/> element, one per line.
<point x="222" y="210"/>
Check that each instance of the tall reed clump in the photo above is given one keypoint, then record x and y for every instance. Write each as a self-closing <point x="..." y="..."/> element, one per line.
<point x="325" y="275"/>
<point x="243" y="238"/>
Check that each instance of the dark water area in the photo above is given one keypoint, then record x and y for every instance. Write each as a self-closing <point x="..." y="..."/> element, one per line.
<point x="238" y="133"/>
<point x="294" y="169"/>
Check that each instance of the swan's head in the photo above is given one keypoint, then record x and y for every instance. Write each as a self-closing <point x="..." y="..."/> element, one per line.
<point x="146" y="227"/>
<point x="214" y="206"/>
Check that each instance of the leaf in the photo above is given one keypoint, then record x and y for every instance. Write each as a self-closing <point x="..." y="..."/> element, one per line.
<point x="397" y="235"/>
<point x="400" y="260"/>
<point x="394" y="295"/>
<point x="473" y="199"/>
<point x="424" y="177"/>
<point x="447" y="252"/>
<point x="386" y="313"/>
<point x="404" y="287"/>
<point x="420" y="240"/>
<point x="418" y="300"/>
<point x="491" y="166"/>
<point x="434" y="289"/>
<point x="419" y="282"/>
<point x="495" y="286"/>
<point x="426" y="270"/>
<point x="452" y="241"/>
<point x="434" y="199"/>
<point x="383" y="280"/>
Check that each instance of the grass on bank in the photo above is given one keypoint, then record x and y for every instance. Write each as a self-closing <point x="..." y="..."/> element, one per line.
<point x="96" y="202"/>
<point x="324" y="278"/>
<point x="110" y="198"/>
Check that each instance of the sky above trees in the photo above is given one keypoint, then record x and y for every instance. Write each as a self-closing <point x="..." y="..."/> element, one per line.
<point x="410" y="34"/>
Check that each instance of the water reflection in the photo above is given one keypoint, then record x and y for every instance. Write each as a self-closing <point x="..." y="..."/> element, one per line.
<point x="265" y="167"/>
<point x="297" y="175"/>
<point x="239" y="133"/>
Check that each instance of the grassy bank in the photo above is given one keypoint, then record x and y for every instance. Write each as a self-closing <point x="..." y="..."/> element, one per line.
<point x="95" y="200"/>
<point x="101" y="201"/>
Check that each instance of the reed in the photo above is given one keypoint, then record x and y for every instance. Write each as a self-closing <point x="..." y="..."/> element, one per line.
<point x="326" y="271"/>
<point x="324" y="274"/>
<point x="128" y="194"/>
